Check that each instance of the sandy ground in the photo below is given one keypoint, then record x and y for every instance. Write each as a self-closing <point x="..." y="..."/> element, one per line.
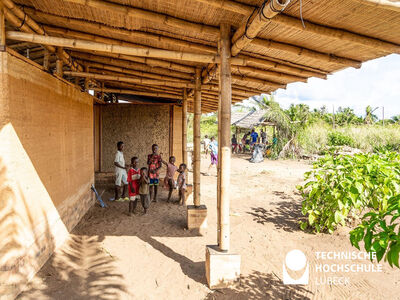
<point x="114" y="256"/>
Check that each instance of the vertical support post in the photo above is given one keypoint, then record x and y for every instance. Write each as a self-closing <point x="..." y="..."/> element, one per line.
<point x="219" y="160"/>
<point x="383" y="116"/>
<point x="86" y="79"/>
<point x="46" y="59"/>
<point x="184" y="127"/>
<point x="59" y="62"/>
<point x="222" y="266"/>
<point x="102" y="91"/>
<point x="196" y="135"/>
<point x="225" y="81"/>
<point x="2" y="28"/>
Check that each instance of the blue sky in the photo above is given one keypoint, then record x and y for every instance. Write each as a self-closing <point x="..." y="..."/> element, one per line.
<point x="376" y="83"/>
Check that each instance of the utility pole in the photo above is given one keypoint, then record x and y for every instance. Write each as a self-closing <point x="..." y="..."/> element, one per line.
<point x="333" y="116"/>
<point x="383" y="116"/>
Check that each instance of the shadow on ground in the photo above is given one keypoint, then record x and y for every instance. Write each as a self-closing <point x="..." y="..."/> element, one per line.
<point x="285" y="214"/>
<point x="260" y="286"/>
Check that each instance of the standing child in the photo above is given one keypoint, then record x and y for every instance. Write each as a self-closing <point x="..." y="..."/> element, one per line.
<point x="169" y="181"/>
<point x="144" y="189"/>
<point x="182" y="184"/>
<point x="213" y="154"/>
<point x="120" y="174"/>
<point x="154" y="163"/>
<point x="133" y="185"/>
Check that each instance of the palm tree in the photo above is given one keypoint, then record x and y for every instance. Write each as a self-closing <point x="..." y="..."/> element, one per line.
<point x="370" y="117"/>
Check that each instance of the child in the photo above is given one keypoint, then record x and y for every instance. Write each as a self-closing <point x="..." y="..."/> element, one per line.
<point x="213" y="154"/>
<point x="144" y="189"/>
<point x="182" y="184"/>
<point x="154" y="163"/>
<point x="169" y="181"/>
<point x="133" y="185"/>
<point x="120" y="174"/>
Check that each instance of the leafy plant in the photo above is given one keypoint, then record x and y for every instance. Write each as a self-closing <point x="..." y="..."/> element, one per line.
<point x="346" y="184"/>
<point x="337" y="138"/>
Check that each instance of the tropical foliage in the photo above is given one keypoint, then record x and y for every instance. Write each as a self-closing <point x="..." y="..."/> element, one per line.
<point x="343" y="186"/>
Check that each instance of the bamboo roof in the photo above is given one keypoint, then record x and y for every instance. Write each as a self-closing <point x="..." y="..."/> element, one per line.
<point x="336" y="34"/>
<point x="248" y="120"/>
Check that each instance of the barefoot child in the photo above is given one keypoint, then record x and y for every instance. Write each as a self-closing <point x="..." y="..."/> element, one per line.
<point x="154" y="163"/>
<point x="144" y="189"/>
<point x="133" y="185"/>
<point x="169" y="181"/>
<point x="182" y="184"/>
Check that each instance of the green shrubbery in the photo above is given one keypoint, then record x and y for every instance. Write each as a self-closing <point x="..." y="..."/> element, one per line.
<point x="340" y="186"/>
<point x="317" y="137"/>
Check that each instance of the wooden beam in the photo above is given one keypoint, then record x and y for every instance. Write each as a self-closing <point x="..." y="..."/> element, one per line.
<point x="276" y="76"/>
<point x="129" y="65"/>
<point x="231" y="6"/>
<point x="129" y="35"/>
<point x="59" y="62"/>
<point x="149" y="61"/>
<point x="21" y="20"/>
<point x="46" y="59"/>
<point x="337" y="34"/>
<point x="2" y="28"/>
<point x="307" y="53"/>
<point x="128" y="79"/>
<point x="197" y="138"/>
<point x="224" y="139"/>
<point x="138" y="93"/>
<point x="109" y="48"/>
<point x="133" y="72"/>
<point x="184" y="127"/>
<point x="255" y="23"/>
<point x="166" y="20"/>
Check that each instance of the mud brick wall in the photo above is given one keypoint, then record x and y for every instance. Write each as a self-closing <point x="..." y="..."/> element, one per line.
<point x="46" y="166"/>
<point x="138" y="126"/>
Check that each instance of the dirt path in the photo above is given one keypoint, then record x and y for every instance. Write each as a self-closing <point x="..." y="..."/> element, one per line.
<point x="113" y="256"/>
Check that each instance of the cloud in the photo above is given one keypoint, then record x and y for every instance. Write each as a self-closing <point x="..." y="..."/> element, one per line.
<point x="376" y="83"/>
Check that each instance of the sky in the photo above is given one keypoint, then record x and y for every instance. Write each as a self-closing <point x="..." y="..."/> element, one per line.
<point x="376" y="83"/>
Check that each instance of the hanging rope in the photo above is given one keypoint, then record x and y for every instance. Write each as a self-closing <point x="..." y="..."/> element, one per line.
<point x="23" y="21"/>
<point x="301" y="14"/>
<point x="247" y="23"/>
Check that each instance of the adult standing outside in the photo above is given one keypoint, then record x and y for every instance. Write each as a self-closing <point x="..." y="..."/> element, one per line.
<point x="206" y="142"/>
<point x="121" y="177"/>
<point x="263" y="136"/>
<point x="254" y="137"/>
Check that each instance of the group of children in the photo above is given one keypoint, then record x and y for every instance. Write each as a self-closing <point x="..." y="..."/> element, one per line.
<point x="143" y="183"/>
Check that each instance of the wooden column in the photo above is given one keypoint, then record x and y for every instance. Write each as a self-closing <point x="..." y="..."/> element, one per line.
<point x="197" y="137"/>
<point x="86" y="79"/>
<point x="2" y="28"/>
<point x="59" y="62"/>
<point x="46" y="59"/>
<point x="224" y="139"/>
<point x="184" y="127"/>
<point x="102" y="92"/>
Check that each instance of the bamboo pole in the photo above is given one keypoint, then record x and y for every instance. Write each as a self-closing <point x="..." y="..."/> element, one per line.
<point x="87" y="70"/>
<point x="128" y="11"/>
<point x="138" y="93"/>
<point x="21" y="20"/>
<point x="184" y="127"/>
<point x="128" y="79"/>
<point x="152" y="62"/>
<point x="46" y="59"/>
<point x="129" y="65"/>
<point x="232" y="6"/>
<point x="197" y="137"/>
<point x="59" y="62"/>
<point x="249" y="30"/>
<point x="133" y="72"/>
<point x="171" y="90"/>
<point x="2" y="28"/>
<point x="337" y="34"/>
<point x="102" y="47"/>
<point x="277" y="76"/>
<point x="130" y="35"/>
<point x="224" y="138"/>
<point x="304" y="52"/>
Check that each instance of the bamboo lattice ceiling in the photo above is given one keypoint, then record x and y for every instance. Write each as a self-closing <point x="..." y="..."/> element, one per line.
<point x="336" y="34"/>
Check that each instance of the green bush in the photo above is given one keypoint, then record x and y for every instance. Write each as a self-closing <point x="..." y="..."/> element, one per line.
<point x="337" y="138"/>
<point x="343" y="185"/>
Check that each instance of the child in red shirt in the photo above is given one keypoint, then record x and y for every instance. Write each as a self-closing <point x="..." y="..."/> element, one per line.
<point x="133" y="185"/>
<point x="154" y="163"/>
